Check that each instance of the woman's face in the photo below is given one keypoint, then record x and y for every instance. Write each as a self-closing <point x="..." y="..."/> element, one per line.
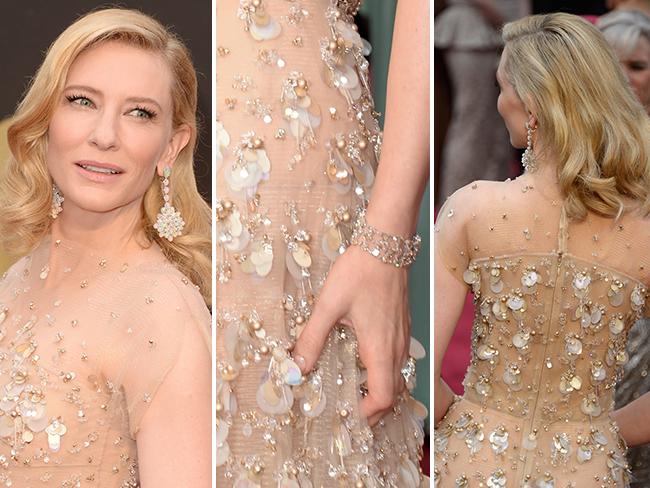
<point x="112" y="128"/>
<point x="636" y="65"/>
<point x="511" y="108"/>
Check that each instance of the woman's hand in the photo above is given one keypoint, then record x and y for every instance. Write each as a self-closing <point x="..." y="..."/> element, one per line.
<point x="372" y="298"/>
<point x="360" y="290"/>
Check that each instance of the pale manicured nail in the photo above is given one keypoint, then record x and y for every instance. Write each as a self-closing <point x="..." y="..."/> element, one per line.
<point x="300" y="361"/>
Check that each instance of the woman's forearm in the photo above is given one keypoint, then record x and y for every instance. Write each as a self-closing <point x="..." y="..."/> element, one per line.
<point x="404" y="164"/>
<point x="443" y="397"/>
<point x="634" y="421"/>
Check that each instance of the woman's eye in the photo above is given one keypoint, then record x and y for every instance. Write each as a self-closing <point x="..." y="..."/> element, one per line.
<point x="142" y="113"/>
<point x="80" y="100"/>
<point x="638" y="66"/>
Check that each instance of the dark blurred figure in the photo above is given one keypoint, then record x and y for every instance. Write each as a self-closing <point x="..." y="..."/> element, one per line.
<point x="577" y="7"/>
<point x="476" y="145"/>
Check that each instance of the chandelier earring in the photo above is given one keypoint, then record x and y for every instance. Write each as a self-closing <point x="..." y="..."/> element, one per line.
<point x="57" y="202"/>
<point x="528" y="159"/>
<point x="169" y="222"/>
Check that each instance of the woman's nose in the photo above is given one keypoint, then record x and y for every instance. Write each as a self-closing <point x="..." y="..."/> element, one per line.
<point x="104" y="134"/>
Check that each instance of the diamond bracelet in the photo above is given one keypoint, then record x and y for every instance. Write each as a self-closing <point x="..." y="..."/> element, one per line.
<point x="391" y="249"/>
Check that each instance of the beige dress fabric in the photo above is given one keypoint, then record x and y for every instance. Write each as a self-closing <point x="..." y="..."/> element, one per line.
<point x="555" y="300"/>
<point x="298" y="145"/>
<point x="84" y="346"/>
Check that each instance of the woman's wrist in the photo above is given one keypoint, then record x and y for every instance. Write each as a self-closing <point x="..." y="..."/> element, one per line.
<point x="396" y="250"/>
<point x="631" y="421"/>
<point x="396" y="218"/>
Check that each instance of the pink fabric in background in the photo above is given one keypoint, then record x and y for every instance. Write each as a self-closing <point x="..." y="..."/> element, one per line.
<point x="456" y="360"/>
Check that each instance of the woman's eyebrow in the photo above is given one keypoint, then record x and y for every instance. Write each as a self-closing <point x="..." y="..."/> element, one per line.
<point x="86" y="88"/>
<point x="97" y="92"/>
<point x="144" y="100"/>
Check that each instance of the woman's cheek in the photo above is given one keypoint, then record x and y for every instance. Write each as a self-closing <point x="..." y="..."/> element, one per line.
<point x="635" y="82"/>
<point x="644" y="88"/>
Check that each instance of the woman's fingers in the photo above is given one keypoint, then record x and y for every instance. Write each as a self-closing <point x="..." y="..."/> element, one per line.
<point x="373" y="419"/>
<point x="400" y="387"/>
<point x="382" y="356"/>
<point x="312" y="339"/>
<point x="381" y="385"/>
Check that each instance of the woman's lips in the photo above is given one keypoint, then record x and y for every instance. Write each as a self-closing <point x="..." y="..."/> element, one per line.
<point x="98" y="172"/>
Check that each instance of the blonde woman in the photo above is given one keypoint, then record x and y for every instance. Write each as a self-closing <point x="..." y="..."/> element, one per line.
<point x="558" y="263"/>
<point x="628" y="32"/>
<point x="104" y="329"/>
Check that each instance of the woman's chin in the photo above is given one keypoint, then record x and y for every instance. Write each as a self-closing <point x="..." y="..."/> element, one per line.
<point x="91" y="205"/>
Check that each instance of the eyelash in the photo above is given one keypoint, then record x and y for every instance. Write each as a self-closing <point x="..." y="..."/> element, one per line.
<point x="74" y="98"/>
<point x="149" y="114"/>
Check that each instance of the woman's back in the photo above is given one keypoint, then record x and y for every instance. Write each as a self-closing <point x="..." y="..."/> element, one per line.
<point x="555" y="299"/>
<point x="522" y="217"/>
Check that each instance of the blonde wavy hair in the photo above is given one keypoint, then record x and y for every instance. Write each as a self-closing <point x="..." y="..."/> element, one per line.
<point x="26" y="186"/>
<point x="587" y="115"/>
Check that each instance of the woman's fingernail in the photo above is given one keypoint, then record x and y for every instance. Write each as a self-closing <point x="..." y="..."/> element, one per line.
<point x="300" y="361"/>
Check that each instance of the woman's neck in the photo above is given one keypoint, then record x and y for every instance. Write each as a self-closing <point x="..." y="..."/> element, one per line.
<point x="544" y="177"/>
<point x="115" y="232"/>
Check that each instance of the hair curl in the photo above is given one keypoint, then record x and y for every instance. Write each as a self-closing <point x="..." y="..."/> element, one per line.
<point x="588" y="116"/>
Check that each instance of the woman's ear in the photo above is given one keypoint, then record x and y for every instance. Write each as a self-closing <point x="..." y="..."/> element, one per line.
<point x="531" y="111"/>
<point x="180" y="138"/>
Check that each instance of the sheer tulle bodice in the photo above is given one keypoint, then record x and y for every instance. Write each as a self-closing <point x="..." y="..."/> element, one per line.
<point x="84" y="345"/>
<point x="554" y="302"/>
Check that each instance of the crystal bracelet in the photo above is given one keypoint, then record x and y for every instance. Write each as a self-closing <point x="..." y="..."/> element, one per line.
<point x="391" y="249"/>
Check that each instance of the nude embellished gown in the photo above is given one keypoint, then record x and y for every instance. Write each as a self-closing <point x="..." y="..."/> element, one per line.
<point x="298" y="145"/>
